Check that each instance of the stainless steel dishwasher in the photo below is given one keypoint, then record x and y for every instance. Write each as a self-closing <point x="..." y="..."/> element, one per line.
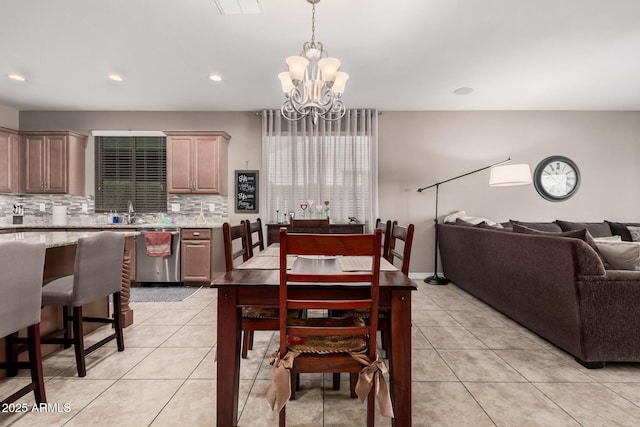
<point x="158" y="269"/>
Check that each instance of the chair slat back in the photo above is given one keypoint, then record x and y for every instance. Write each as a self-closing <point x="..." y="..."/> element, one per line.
<point x="385" y="227"/>
<point x="314" y="226"/>
<point x="254" y="228"/>
<point x="231" y="234"/>
<point x="405" y="235"/>
<point x="330" y="245"/>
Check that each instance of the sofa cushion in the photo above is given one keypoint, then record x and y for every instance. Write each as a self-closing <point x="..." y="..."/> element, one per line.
<point x="621" y="255"/>
<point x="596" y="229"/>
<point x="550" y="227"/>
<point x="582" y="234"/>
<point x="620" y="229"/>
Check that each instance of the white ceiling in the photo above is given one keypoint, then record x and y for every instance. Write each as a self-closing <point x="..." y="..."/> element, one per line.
<point x="401" y="54"/>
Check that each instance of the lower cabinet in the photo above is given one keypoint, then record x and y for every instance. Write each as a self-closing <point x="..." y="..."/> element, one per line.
<point x="196" y="255"/>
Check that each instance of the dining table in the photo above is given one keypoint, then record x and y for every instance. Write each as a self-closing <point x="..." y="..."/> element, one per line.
<point x="256" y="283"/>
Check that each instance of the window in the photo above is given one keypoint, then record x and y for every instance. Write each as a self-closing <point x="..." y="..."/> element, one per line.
<point x="131" y="168"/>
<point x="327" y="161"/>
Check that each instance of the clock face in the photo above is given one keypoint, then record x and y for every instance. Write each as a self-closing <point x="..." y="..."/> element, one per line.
<point x="557" y="178"/>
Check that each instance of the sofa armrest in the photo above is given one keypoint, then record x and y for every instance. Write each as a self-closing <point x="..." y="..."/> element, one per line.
<point x="610" y="315"/>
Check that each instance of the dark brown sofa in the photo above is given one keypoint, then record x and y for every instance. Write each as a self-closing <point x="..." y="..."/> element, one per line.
<point x="555" y="286"/>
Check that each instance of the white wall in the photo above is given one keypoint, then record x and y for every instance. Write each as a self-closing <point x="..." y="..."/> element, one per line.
<point x="421" y="148"/>
<point x="9" y="117"/>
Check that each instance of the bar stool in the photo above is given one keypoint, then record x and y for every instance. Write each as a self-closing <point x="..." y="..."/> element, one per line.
<point x="22" y="266"/>
<point x="97" y="274"/>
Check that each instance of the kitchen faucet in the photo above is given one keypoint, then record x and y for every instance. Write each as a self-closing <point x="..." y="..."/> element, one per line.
<point x="131" y="214"/>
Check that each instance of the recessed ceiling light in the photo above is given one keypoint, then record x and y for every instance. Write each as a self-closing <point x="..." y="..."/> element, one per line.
<point x="463" y="91"/>
<point x="215" y="78"/>
<point x="17" y="77"/>
<point x="115" y="77"/>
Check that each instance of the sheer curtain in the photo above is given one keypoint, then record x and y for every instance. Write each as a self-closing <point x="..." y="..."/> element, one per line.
<point x="334" y="162"/>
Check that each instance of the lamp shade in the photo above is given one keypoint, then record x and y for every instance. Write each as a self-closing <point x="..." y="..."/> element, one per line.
<point x="508" y="175"/>
<point x="340" y="82"/>
<point x="285" y="81"/>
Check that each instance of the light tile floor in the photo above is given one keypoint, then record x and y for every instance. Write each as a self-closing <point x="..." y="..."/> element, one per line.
<point x="472" y="366"/>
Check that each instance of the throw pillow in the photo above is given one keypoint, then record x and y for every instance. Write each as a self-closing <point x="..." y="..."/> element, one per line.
<point x="582" y="234"/>
<point x="635" y="233"/>
<point x="621" y="255"/>
<point x="550" y="227"/>
<point x="621" y="229"/>
<point x="473" y="220"/>
<point x="608" y="239"/>
<point x="597" y="229"/>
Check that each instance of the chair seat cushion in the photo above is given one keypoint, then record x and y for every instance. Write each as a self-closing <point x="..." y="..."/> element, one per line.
<point x="260" y="313"/>
<point x="327" y="344"/>
<point x="58" y="292"/>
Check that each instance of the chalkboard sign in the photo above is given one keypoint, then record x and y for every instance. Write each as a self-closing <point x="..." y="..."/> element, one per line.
<point x="247" y="194"/>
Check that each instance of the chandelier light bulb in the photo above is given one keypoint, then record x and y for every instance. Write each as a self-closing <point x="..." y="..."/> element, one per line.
<point x="285" y="81"/>
<point x="340" y="82"/>
<point x="329" y="68"/>
<point x="297" y="67"/>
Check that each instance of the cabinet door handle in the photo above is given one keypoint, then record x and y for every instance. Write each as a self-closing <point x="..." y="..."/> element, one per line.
<point x="196" y="233"/>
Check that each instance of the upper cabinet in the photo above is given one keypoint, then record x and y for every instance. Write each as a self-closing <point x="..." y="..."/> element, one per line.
<point x="11" y="160"/>
<point x="54" y="162"/>
<point x="197" y="162"/>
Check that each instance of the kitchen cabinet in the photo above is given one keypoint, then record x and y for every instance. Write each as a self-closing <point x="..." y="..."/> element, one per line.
<point x="196" y="255"/>
<point x="197" y="162"/>
<point x="11" y="160"/>
<point x="54" y="162"/>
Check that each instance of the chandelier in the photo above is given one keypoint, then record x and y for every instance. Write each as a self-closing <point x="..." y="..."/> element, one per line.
<point x="313" y="85"/>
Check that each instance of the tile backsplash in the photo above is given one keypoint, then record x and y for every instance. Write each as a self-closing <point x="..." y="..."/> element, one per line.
<point x="189" y="206"/>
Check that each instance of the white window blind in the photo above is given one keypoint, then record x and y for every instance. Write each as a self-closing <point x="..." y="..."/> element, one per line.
<point x="131" y="168"/>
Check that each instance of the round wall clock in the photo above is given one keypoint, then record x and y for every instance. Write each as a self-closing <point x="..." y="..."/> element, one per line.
<point x="556" y="178"/>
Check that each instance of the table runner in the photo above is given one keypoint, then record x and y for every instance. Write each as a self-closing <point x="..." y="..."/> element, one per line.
<point x="363" y="263"/>
<point x="265" y="263"/>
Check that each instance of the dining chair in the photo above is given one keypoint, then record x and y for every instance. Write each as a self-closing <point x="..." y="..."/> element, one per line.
<point x="403" y="234"/>
<point x="254" y="228"/>
<point x="22" y="266"/>
<point x="97" y="274"/>
<point x="329" y="344"/>
<point x="232" y="251"/>
<point x="317" y="226"/>
<point x="253" y="318"/>
<point x="385" y="227"/>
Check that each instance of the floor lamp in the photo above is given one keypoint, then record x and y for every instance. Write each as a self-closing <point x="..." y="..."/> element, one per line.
<point x="502" y="175"/>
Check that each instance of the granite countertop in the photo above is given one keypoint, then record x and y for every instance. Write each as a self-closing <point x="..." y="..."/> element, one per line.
<point x="36" y="225"/>
<point x="53" y="239"/>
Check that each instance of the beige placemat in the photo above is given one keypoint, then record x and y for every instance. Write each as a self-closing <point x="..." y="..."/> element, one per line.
<point x="270" y="251"/>
<point x="265" y="263"/>
<point x="363" y="263"/>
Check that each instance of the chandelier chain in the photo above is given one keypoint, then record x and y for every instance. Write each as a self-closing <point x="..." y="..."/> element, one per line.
<point x="313" y="23"/>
